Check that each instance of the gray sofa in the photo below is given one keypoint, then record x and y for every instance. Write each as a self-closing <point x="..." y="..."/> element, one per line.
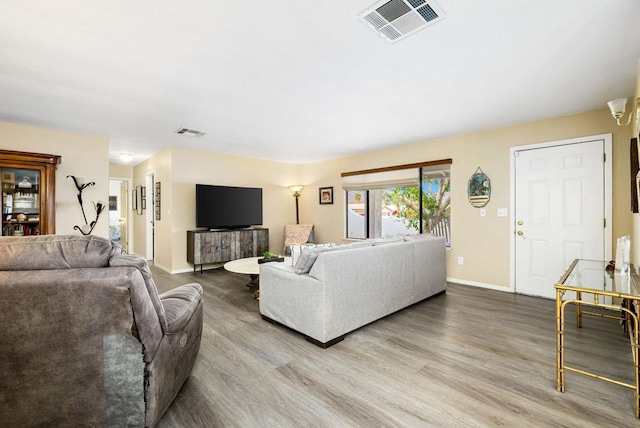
<point x="86" y="340"/>
<point x="334" y="290"/>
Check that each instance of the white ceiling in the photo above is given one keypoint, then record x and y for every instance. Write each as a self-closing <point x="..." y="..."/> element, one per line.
<point x="299" y="81"/>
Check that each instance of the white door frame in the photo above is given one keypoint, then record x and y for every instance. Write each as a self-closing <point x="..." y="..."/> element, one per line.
<point x="608" y="186"/>
<point x="149" y="220"/>
<point x="129" y="212"/>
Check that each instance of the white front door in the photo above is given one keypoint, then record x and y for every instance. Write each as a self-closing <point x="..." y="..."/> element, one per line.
<point x="559" y="212"/>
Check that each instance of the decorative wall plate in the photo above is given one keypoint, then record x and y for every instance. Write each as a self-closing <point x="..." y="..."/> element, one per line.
<point x="479" y="190"/>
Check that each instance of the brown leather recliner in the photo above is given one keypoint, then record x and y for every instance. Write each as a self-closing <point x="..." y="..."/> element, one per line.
<point x="85" y="339"/>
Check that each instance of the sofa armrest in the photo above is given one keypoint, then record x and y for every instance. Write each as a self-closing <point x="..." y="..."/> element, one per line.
<point x="180" y="304"/>
<point x="297" y="301"/>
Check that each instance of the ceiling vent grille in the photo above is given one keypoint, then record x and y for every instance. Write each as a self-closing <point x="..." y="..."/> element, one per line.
<point x="189" y="132"/>
<point x="396" y="19"/>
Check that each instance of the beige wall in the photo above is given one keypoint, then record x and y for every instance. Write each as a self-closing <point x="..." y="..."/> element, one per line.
<point x="160" y="167"/>
<point x="120" y="171"/>
<point x="82" y="155"/>
<point x="484" y="242"/>
<point x="179" y="170"/>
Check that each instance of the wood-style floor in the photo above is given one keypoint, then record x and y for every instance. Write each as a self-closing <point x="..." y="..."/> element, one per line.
<point x="470" y="358"/>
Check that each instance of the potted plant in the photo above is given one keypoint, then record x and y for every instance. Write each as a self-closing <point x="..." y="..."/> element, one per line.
<point x="268" y="257"/>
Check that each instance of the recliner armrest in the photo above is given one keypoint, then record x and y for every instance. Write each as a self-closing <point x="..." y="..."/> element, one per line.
<point x="180" y="304"/>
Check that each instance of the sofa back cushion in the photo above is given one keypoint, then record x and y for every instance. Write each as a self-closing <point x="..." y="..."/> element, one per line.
<point x="56" y="252"/>
<point x="68" y="356"/>
<point x="152" y="292"/>
<point x="296" y="250"/>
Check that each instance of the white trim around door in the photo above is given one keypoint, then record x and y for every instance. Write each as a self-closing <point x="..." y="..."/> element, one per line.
<point x="608" y="176"/>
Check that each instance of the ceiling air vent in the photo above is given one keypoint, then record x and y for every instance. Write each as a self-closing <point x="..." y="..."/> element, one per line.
<point x="396" y="19"/>
<point x="189" y="132"/>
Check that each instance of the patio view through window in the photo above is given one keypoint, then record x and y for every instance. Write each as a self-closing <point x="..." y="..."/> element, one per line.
<point x="379" y="210"/>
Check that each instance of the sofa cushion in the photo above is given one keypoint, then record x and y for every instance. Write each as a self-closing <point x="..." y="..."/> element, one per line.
<point x="180" y="304"/>
<point x="388" y="240"/>
<point x="296" y="250"/>
<point x="309" y="256"/>
<point x="56" y="252"/>
<point x="419" y="237"/>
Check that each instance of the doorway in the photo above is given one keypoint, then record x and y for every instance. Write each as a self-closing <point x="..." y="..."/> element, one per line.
<point x="150" y="220"/>
<point x="561" y="203"/>
<point x="119" y="212"/>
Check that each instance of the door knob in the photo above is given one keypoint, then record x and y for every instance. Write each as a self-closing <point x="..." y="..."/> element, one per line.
<point x="521" y="234"/>
<point x="520" y="222"/>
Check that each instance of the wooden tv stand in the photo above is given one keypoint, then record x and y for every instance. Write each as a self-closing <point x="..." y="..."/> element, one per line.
<point x="218" y="246"/>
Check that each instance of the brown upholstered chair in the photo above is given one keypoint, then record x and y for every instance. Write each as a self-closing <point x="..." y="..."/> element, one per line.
<point x="85" y="339"/>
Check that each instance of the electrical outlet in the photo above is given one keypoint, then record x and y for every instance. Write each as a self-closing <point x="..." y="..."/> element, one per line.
<point x="502" y="212"/>
<point x="460" y="261"/>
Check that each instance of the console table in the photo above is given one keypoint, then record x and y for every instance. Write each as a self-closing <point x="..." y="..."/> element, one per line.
<point x="608" y="290"/>
<point x="218" y="246"/>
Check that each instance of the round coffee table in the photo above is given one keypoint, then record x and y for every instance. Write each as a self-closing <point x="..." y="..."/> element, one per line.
<point x="250" y="266"/>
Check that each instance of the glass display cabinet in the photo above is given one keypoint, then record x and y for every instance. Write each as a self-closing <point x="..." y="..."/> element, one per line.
<point x="28" y="193"/>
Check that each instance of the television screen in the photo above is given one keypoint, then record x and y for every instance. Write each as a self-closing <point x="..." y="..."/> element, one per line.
<point x="224" y="207"/>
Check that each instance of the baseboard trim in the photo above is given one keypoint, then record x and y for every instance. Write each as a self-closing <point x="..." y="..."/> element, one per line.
<point x="190" y="270"/>
<point x="164" y="268"/>
<point x="185" y="270"/>
<point x="480" y="284"/>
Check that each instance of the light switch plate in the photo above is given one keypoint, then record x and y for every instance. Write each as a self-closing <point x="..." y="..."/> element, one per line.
<point x="502" y="212"/>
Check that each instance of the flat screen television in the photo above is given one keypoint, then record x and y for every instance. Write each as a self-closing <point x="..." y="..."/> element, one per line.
<point x="225" y="207"/>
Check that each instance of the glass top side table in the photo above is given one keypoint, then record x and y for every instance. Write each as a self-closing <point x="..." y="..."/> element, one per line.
<point x="607" y="290"/>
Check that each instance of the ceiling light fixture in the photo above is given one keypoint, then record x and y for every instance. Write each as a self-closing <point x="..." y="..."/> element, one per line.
<point x="126" y="156"/>
<point x="618" y="108"/>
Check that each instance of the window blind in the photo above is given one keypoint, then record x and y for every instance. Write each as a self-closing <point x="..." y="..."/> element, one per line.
<point x="395" y="176"/>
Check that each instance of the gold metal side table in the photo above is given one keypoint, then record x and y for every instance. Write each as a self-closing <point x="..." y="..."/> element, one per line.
<point x="609" y="290"/>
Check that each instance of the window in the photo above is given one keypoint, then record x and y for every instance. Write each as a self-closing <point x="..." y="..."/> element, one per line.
<point x="403" y="200"/>
<point x="357" y="214"/>
<point x="436" y="204"/>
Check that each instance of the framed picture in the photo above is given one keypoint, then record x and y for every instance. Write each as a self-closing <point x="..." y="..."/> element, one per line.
<point x="157" y="200"/>
<point x="140" y="202"/>
<point x="143" y="197"/>
<point x="326" y="195"/>
<point x="9" y="177"/>
<point x="113" y="203"/>
<point x="134" y="200"/>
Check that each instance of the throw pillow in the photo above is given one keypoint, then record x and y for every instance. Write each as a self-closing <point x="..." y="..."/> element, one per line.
<point x="309" y="256"/>
<point x="296" y="233"/>
<point x="296" y="250"/>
